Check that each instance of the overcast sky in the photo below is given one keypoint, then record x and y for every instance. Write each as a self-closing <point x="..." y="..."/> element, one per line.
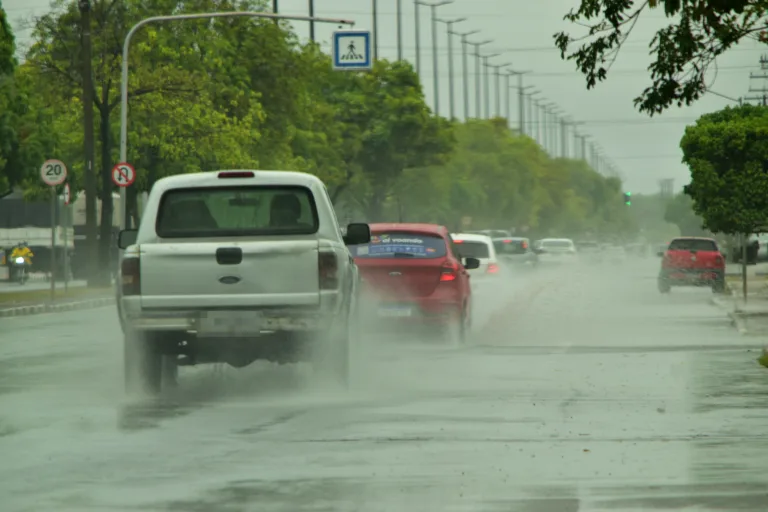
<point x="644" y="150"/>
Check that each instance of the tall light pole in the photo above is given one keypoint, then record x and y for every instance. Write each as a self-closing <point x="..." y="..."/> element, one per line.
<point x="534" y="128"/>
<point x="497" y="76"/>
<point x="181" y="17"/>
<point x="451" y="99"/>
<point x="375" y="23"/>
<point x="478" y="90"/>
<point x="465" y="68"/>
<point x="312" y="23"/>
<point x="435" y="77"/>
<point x="488" y="84"/>
<point x="520" y="99"/>
<point x="399" y="29"/>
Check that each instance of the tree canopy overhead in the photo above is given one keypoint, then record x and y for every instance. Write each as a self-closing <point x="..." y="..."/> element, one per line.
<point x="727" y="153"/>
<point x="682" y="51"/>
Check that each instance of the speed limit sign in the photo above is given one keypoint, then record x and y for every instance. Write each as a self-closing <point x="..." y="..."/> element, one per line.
<point x="53" y="172"/>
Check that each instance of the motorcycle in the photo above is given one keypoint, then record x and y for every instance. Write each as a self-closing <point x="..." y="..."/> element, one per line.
<point x="20" y="269"/>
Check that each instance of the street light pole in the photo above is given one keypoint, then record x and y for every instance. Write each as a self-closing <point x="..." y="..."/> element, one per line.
<point x="520" y="91"/>
<point x="478" y="92"/>
<point x="465" y="69"/>
<point x="375" y="22"/>
<point x="399" y="29"/>
<point x="435" y="77"/>
<point x="497" y="75"/>
<point x="181" y="17"/>
<point x="488" y="84"/>
<point x="312" y="23"/>
<point x="451" y="99"/>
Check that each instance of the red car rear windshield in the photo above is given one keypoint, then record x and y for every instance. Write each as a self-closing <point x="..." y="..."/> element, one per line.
<point x="683" y="244"/>
<point x="402" y="245"/>
<point x="236" y="211"/>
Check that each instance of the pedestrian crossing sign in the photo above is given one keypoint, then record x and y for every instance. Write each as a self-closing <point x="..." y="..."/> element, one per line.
<point x="352" y="50"/>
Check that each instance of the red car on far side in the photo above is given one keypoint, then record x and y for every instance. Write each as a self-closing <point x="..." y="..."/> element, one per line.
<point x="692" y="261"/>
<point x="412" y="273"/>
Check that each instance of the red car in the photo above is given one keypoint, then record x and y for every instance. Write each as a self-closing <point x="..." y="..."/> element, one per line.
<point x="692" y="261"/>
<point x="411" y="272"/>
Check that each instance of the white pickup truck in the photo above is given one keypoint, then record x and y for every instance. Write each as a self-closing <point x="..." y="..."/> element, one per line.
<point x="235" y="266"/>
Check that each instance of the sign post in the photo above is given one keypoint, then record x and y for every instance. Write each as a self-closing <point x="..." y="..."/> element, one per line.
<point x="352" y="50"/>
<point x="53" y="173"/>
<point x="67" y="200"/>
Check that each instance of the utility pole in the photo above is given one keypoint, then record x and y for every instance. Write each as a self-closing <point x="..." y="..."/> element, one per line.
<point x="763" y="97"/>
<point x="478" y="90"/>
<point x="312" y="24"/>
<point x="486" y="66"/>
<point x="465" y="68"/>
<point x="451" y="94"/>
<point x="418" y="38"/>
<point x="520" y="100"/>
<point x="91" y="229"/>
<point x="399" y="29"/>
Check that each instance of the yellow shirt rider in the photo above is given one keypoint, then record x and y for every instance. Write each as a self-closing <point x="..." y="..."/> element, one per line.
<point x="22" y="250"/>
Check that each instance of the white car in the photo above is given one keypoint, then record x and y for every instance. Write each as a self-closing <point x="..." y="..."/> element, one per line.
<point x="556" y="250"/>
<point x="235" y="266"/>
<point x="470" y="245"/>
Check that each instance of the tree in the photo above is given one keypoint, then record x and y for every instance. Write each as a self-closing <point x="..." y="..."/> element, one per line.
<point x="727" y="153"/>
<point x="396" y="129"/>
<point x="680" y="212"/>
<point x="8" y="136"/>
<point x="682" y="51"/>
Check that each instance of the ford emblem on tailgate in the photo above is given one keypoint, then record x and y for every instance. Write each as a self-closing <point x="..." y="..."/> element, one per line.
<point x="395" y="274"/>
<point x="229" y="280"/>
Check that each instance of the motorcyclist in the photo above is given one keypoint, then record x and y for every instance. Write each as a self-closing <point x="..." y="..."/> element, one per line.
<point x="22" y="251"/>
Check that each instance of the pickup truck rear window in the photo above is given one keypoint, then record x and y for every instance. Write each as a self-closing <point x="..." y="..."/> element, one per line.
<point x="402" y="245"/>
<point x="683" y="244"/>
<point x="236" y="211"/>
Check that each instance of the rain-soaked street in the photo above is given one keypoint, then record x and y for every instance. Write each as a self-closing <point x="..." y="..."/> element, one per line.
<point x="583" y="389"/>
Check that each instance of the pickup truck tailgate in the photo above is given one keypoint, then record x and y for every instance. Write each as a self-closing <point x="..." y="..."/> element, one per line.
<point x="222" y="274"/>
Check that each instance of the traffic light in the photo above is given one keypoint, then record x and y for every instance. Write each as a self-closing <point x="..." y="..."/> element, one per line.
<point x="627" y="198"/>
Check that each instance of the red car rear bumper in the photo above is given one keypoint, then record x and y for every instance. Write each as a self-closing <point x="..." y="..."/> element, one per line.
<point x="442" y="307"/>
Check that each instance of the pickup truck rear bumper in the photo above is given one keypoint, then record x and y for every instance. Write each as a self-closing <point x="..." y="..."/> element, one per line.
<point x="214" y="322"/>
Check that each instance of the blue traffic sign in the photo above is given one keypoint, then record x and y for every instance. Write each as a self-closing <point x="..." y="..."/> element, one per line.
<point x="352" y="50"/>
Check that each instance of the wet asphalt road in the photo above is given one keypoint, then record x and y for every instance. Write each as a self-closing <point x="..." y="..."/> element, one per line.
<point x="586" y="390"/>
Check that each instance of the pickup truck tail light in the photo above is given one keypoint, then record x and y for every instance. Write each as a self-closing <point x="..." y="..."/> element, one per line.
<point x="719" y="261"/>
<point x="493" y="268"/>
<point x="328" y="269"/>
<point x="450" y="272"/>
<point x="130" y="273"/>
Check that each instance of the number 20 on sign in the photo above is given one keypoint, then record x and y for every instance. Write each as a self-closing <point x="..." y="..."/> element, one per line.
<point x="53" y="172"/>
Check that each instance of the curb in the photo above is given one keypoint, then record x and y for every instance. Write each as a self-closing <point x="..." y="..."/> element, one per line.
<point x="37" y="309"/>
<point x="737" y="320"/>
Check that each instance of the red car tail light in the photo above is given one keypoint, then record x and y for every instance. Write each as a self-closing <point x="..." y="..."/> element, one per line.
<point x="524" y="244"/>
<point x="719" y="261"/>
<point x="450" y="272"/>
<point x="130" y="273"/>
<point x="493" y="268"/>
<point x="236" y="174"/>
<point x="328" y="270"/>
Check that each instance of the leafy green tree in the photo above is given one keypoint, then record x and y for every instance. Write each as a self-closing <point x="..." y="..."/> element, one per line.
<point x="8" y="136"/>
<point x="682" y="50"/>
<point x="727" y="153"/>
<point x="680" y="212"/>
<point x="396" y="129"/>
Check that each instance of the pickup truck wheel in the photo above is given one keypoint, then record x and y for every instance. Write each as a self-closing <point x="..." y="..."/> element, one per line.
<point x="143" y="365"/>
<point x="664" y="286"/>
<point x="719" y="286"/>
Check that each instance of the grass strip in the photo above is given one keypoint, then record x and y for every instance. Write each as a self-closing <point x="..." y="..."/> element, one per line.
<point x="26" y="297"/>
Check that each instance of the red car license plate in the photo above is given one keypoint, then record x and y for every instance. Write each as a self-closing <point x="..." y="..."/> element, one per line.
<point x="708" y="275"/>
